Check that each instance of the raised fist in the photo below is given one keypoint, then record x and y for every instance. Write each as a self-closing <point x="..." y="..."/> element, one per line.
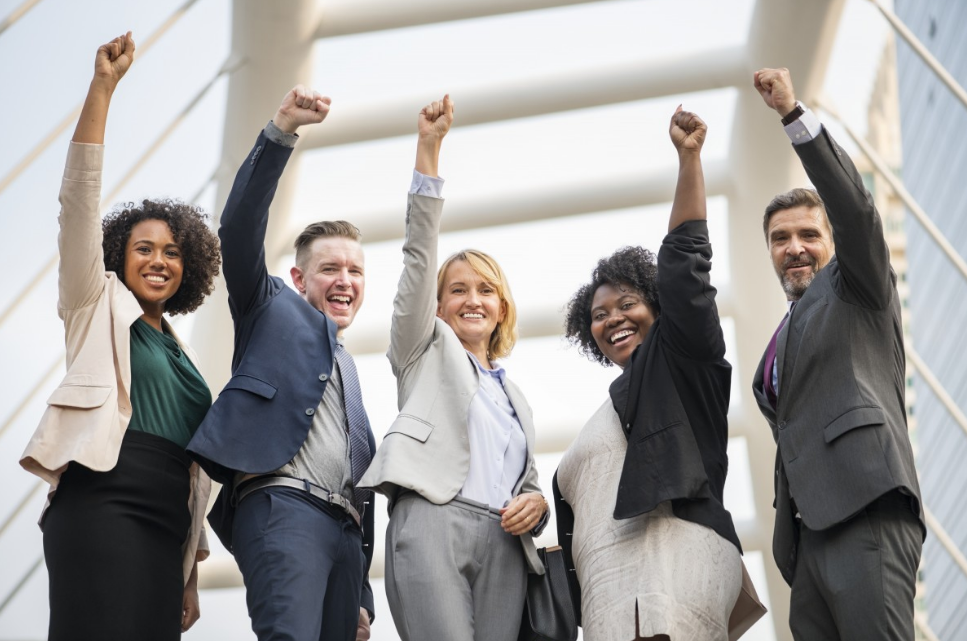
<point x="775" y="87"/>
<point x="301" y="106"/>
<point x="687" y="131"/>
<point x="114" y="59"/>
<point x="435" y="119"/>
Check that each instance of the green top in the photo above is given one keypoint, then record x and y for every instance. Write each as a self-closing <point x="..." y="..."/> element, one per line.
<point x="169" y="398"/>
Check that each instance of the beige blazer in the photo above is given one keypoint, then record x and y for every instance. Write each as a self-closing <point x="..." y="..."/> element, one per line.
<point x="427" y="448"/>
<point x="89" y="411"/>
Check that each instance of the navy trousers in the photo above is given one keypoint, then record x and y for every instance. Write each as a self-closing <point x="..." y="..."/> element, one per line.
<point x="302" y="561"/>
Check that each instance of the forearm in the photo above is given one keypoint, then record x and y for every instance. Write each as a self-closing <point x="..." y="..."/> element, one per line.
<point x="93" y="120"/>
<point x="428" y="155"/>
<point x="689" y="203"/>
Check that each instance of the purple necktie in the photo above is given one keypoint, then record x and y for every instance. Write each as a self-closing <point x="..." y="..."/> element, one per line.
<point x="770" y="363"/>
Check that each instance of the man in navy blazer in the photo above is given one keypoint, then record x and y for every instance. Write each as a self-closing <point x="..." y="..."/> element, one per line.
<point x="288" y="437"/>
<point x="849" y="520"/>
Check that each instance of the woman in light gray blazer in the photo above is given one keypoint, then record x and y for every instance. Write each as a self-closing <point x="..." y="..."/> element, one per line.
<point x="457" y="464"/>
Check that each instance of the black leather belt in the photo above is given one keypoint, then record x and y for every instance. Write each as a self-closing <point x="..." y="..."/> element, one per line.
<point x="247" y="487"/>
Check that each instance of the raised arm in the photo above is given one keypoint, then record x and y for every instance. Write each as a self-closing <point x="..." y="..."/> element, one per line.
<point x="244" y="220"/>
<point x="690" y="320"/>
<point x="81" y="272"/>
<point x="687" y="132"/>
<point x="414" y="307"/>
<point x="110" y="64"/>
<point x="860" y="246"/>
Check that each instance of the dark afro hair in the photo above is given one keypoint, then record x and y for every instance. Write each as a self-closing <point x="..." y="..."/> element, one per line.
<point x="629" y="267"/>
<point x="189" y="227"/>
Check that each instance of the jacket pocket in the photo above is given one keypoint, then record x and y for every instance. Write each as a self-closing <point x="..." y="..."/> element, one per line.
<point x="252" y="384"/>
<point x="857" y="417"/>
<point x="80" y="396"/>
<point x="411" y="426"/>
<point x="652" y="433"/>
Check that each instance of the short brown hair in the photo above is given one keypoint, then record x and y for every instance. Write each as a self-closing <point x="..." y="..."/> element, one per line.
<point x="798" y="197"/>
<point x="504" y="336"/>
<point x="322" y="229"/>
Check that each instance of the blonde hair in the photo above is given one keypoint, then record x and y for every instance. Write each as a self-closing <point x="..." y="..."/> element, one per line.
<point x="504" y="336"/>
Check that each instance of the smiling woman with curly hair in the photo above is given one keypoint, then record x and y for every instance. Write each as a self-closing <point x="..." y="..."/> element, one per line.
<point x="188" y="224"/>
<point x="123" y="529"/>
<point x="640" y="490"/>
<point x="629" y="269"/>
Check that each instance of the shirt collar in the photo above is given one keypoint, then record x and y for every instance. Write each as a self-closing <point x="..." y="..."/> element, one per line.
<point x="497" y="372"/>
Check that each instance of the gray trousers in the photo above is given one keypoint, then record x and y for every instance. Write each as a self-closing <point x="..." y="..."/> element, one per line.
<point x="856" y="581"/>
<point x="452" y="573"/>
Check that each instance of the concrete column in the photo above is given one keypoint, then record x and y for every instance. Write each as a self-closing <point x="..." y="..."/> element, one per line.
<point x="797" y="35"/>
<point x="273" y="41"/>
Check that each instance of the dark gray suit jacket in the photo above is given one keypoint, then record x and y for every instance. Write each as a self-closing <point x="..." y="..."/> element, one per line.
<point x="840" y="421"/>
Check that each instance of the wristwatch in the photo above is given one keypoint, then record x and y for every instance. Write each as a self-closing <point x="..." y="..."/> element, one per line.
<point x="794" y="115"/>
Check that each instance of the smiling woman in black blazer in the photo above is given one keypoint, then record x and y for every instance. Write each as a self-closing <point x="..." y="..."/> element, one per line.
<point x="640" y="510"/>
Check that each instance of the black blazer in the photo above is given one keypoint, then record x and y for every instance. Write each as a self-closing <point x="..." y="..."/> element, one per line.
<point x="673" y="400"/>
<point x="283" y="353"/>
<point x="840" y="420"/>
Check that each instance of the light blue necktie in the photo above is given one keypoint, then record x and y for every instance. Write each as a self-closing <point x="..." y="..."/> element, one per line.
<point x="359" y="454"/>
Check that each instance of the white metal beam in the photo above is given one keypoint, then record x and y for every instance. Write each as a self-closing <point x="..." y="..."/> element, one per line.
<point x="522" y="98"/>
<point x="601" y="194"/>
<point x="347" y="17"/>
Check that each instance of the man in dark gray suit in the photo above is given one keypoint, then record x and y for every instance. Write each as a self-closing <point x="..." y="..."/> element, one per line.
<point x="849" y="521"/>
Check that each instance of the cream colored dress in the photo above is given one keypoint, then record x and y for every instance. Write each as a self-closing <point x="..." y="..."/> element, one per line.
<point x="684" y="577"/>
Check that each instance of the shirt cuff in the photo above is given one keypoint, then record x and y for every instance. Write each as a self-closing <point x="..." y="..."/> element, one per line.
<point x="804" y="128"/>
<point x="279" y="137"/>
<point x="426" y="186"/>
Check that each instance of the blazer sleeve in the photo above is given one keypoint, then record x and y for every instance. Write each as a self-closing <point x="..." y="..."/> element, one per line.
<point x="565" y="530"/>
<point x="244" y="223"/>
<point x="366" y="599"/>
<point x="690" y="318"/>
<point x="861" y="250"/>
<point x="414" y="308"/>
<point x="81" y="270"/>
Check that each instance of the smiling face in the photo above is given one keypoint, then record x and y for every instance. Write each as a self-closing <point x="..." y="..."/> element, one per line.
<point x="801" y="244"/>
<point x="620" y="320"/>
<point x="471" y="306"/>
<point x="153" y="265"/>
<point x="332" y="278"/>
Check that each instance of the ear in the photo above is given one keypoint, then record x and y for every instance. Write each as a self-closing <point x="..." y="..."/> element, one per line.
<point x="439" y="311"/>
<point x="298" y="280"/>
<point x="503" y="311"/>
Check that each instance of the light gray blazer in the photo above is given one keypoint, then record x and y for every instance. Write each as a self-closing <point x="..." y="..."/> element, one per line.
<point x="427" y="448"/>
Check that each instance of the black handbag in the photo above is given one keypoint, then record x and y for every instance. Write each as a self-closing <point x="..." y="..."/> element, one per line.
<point x="549" y="613"/>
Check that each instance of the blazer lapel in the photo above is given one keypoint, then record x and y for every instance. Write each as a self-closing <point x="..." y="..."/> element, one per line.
<point x="126" y="311"/>
<point x="526" y="422"/>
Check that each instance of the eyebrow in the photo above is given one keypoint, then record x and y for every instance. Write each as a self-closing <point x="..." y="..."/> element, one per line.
<point x="151" y="242"/>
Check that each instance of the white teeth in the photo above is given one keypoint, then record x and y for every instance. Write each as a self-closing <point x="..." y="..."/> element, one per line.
<point x="473" y="315"/>
<point x="341" y="299"/>
<point x="155" y="279"/>
<point x="620" y="335"/>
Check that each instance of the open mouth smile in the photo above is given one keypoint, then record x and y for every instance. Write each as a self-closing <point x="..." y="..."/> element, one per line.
<point x="340" y="301"/>
<point x="622" y="336"/>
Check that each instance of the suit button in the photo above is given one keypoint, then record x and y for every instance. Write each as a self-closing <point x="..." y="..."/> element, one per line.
<point x="310" y="412"/>
<point x="782" y="425"/>
<point x="323" y="377"/>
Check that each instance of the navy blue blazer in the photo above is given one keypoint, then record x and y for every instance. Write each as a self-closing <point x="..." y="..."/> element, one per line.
<point x="283" y="352"/>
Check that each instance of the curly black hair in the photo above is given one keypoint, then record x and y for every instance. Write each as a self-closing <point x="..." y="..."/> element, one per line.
<point x="632" y="267"/>
<point x="189" y="226"/>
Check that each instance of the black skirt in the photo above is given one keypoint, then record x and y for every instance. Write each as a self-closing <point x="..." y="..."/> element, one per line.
<point x="113" y="545"/>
